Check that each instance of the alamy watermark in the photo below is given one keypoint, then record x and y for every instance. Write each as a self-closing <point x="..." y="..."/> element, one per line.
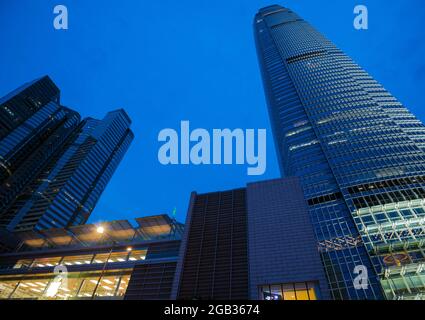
<point x="60" y="21"/>
<point x="197" y="147"/>
<point x="361" y="282"/>
<point x="60" y="282"/>
<point x="361" y="20"/>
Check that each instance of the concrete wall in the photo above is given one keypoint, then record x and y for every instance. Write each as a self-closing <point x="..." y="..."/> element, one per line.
<point x="281" y="244"/>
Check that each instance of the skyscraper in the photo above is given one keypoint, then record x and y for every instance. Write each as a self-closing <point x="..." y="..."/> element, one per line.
<point x="53" y="166"/>
<point x="359" y="153"/>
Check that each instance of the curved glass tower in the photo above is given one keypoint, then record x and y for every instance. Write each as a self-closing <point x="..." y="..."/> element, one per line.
<point x="360" y="155"/>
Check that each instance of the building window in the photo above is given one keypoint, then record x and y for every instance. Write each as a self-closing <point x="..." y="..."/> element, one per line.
<point x="120" y="256"/>
<point x="77" y="260"/>
<point x="111" y="284"/>
<point x="137" y="255"/>
<point x="24" y="263"/>
<point x="289" y="291"/>
<point x="46" y="262"/>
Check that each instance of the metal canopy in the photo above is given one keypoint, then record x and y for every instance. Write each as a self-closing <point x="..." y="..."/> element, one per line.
<point x="148" y="228"/>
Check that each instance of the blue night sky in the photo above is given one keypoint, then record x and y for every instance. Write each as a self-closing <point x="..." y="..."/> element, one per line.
<point x="168" y="61"/>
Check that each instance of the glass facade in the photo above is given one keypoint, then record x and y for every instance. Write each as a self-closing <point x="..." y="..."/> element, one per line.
<point x="84" y="284"/>
<point x="53" y="166"/>
<point x="289" y="291"/>
<point x="358" y="151"/>
<point x="78" y="285"/>
<point x="88" y="259"/>
<point x="124" y="261"/>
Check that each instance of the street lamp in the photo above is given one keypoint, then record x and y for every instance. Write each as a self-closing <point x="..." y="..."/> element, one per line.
<point x="101" y="230"/>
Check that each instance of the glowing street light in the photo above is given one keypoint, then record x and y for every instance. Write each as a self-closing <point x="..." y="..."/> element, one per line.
<point x="100" y="230"/>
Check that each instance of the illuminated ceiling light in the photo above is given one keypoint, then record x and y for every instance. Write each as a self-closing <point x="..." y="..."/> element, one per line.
<point x="24" y="285"/>
<point x="41" y="284"/>
<point x="120" y="259"/>
<point x="129" y="248"/>
<point x="87" y="262"/>
<point x="97" y="261"/>
<point x="100" y="230"/>
<point x="94" y="281"/>
<point x="107" y="288"/>
<point x="35" y="290"/>
<point x="40" y="265"/>
<point x="132" y="259"/>
<point x="78" y="262"/>
<point x="32" y="284"/>
<point x="107" y="281"/>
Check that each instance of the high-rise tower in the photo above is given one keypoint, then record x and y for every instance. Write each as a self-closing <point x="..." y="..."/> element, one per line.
<point x="53" y="166"/>
<point x="359" y="153"/>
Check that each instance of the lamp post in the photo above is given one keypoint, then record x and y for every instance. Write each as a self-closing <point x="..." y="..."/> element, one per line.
<point x="101" y="230"/>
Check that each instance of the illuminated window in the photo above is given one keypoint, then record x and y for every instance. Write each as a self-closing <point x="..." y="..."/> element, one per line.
<point x="69" y="288"/>
<point x="276" y="292"/>
<point x="303" y="145"/>
<point x="7" y="288"/>
<point x="26" y="263"/>
<point x="301" y="291"/>
<point x="118" y="257"/>
<point x="33" y="288"/>
<point x="137" y="255"/>
<point x="88" y="286"/>
<point x="295" y="132"/>
<point x="46" y="262"/>
<point x="100" y="258"/>
<point x="77" y="260"/>
<point x="122" y="286"/>
<point x="113" y="257"/>
<point x="107" y="286"/>
<point x="289" y="291"/>
<point x="78" y="285"/>
<point x="311" y="291"/>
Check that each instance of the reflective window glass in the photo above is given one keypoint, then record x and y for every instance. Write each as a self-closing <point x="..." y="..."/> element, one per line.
<point x="301" y="291"/>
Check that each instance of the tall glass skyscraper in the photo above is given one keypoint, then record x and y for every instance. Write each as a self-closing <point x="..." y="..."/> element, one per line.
<point x="359" y="153"/>
<point x="53" y="166"/>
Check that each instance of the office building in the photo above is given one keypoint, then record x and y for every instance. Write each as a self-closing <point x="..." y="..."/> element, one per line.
<point x="250" y="243"/>
<point x="358" y="152"/>
<point x="53" y="165"/>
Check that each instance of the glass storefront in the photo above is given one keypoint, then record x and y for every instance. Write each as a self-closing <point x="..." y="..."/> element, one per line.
<point x="112" y="284"/>
<point x="289" y="291"/>
<point x="122" y="256"/>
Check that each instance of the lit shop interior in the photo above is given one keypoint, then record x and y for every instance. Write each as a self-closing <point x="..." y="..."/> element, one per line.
<point x="84" y="262"/>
